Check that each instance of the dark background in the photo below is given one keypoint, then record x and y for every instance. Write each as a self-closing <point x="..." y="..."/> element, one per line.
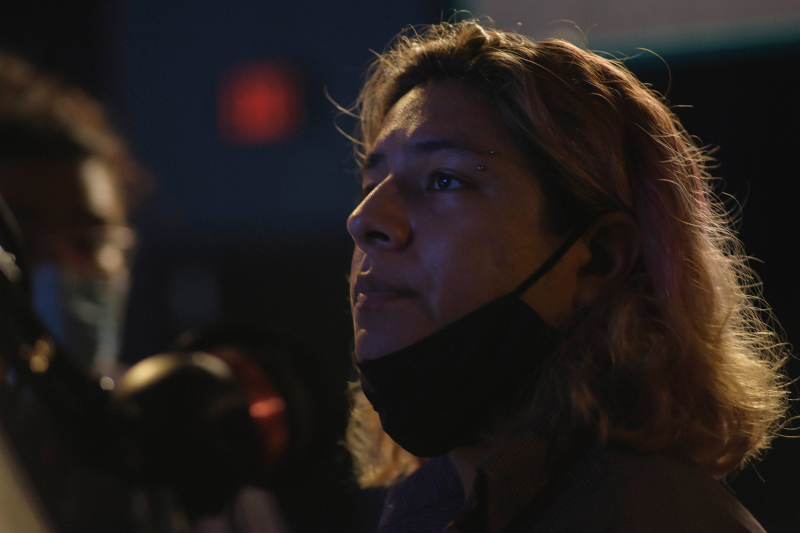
<point x="257" y="232"/>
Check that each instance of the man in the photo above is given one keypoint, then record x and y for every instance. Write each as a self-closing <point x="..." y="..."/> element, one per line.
<point x="68" y="179"/>
<point x="547" y="298"/>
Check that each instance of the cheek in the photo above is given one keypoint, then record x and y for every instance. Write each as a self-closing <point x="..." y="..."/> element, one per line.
<point x="469" y="269"/>
<point x="488" y="256"/>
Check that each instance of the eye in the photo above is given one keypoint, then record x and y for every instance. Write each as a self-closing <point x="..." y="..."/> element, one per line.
<point x="442" y="181"/>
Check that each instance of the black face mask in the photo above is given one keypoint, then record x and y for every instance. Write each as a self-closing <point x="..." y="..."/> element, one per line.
<point x="448" y="389"/>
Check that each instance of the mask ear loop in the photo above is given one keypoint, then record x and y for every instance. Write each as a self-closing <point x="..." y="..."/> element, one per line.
<point x="553" y="259"/>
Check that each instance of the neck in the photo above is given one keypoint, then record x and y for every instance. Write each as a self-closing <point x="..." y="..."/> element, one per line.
<point x="466" y="459"/>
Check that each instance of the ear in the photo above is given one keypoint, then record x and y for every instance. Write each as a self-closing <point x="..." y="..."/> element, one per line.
<point x="613" y="243"/>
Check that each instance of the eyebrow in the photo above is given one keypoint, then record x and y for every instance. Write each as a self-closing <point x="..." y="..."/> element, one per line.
<point x="421" y="148"/>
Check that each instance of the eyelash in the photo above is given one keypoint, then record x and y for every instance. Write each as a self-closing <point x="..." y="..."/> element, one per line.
<point x="435" y="177"/>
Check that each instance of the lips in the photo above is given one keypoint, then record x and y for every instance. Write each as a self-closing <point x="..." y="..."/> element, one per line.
<point x="370" y="292"/>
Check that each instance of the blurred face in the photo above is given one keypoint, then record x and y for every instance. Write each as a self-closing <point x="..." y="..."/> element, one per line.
<point x="70" y="212"/>
<point x="73" y="224"/>
<point x="452" y="218"/>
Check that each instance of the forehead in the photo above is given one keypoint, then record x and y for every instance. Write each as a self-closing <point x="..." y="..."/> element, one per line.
<point x="448" y="109"/>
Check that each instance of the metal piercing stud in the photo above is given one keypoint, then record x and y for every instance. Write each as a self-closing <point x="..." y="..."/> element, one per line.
<point x="481" y="167"/>
<point x="492" y="152"/>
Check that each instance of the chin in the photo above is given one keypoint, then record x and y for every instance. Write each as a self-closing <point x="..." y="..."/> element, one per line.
<point x="379" y="333"/>
<point x="365" y="351"/>
<point x="376" y="344"/>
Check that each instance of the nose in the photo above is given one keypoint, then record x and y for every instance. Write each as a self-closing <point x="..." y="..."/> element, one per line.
<point x="381" y="222"/>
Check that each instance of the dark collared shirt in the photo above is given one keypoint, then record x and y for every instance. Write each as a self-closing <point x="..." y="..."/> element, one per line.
<point x="543" y="482"/>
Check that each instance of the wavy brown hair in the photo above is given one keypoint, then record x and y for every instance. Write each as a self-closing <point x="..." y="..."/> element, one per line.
<point x="680" y="360"/>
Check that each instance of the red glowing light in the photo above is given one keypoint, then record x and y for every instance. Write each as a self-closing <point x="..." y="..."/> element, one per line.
<point x="260" y="102"/>
<point x="267" y="408"/>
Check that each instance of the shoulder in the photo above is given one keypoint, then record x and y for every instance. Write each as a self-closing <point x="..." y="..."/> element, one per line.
<point x="623" y="492"/>
<point x="425" y="501"/>
<point x="665" y="493"/>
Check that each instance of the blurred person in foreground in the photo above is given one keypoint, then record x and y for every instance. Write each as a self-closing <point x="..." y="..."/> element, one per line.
<point x="554" y="319"/>
<point x="69" y="181"/>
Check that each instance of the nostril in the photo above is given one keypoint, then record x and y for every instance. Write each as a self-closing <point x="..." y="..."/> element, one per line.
<point x="377" y="236"/>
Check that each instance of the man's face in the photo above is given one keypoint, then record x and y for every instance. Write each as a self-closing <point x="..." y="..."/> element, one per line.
<point x="452" y="218"/>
